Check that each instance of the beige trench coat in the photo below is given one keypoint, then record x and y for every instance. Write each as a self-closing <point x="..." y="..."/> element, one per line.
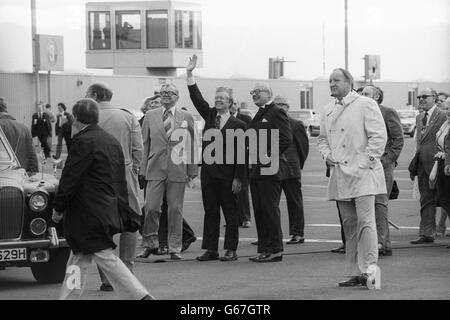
<point x="355" y="136"/>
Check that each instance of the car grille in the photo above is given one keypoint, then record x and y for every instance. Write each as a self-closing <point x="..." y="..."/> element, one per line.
<point x="11" y="212"/>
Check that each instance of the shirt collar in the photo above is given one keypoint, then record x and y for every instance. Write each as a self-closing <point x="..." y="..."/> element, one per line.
<point x="267" y="104"/>
<point x="172" y="110"/>
<point x="352" y="95"/>
<point x="430" y="112"/>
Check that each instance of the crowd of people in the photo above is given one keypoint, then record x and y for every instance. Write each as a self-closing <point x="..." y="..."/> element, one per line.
<point x="112" y="154"/>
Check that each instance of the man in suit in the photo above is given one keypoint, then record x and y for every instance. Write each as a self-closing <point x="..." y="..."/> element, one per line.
<point x="41" y="128"/>
<point x="19" y="138"/>
<point x="188" y="237"/>
<point x="352" y="140"/>
<point x="51" y="116"/>
<point x="428" y="123"/>
<point x="243" y="200"/>
<point x="291" y="174"/>
<point x="221" y="181"/>
<point x="264" y="173"/>
<point x="123" y="126"/>
<point x="63" y="129"/>
<point x="92" y="184"/>
<point x="389" y="158"/>
<point x="167" y="164"/>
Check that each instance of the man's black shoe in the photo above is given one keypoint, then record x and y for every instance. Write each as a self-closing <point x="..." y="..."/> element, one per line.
<point x="106" y="287"/>
<point x="296" y="239"/>
<point x="187" y="243"/>
<point x="352" y="282"/>
<point x="147" y="252"/>
<point x="208" y="255"/>
<point x="230" y="255"/>
<point x="268" y="257"/>
<point x="340" y="249"/>
<point x="422" y="240"/>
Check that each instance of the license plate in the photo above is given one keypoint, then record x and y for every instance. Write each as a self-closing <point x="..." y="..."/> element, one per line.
<point x="16" y="254"/>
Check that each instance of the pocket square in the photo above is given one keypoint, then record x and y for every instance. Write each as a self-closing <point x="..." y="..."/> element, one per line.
<point x="264" y="120"/>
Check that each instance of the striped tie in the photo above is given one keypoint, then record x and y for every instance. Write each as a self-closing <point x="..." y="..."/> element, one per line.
<point x="167" y="120"/>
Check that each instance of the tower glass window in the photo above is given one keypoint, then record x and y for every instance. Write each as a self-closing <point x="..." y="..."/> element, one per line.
<point x="157" y="29"/>
<point x="128" y="29"/>
<point x="187" y="30"/>
<point x="99" y="30"/>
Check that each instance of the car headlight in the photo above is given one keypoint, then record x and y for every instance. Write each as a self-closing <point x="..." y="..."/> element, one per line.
<point x="38" y="201"/>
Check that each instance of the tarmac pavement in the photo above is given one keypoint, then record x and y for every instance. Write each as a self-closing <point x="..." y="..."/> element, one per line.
<point x="308" y="271"/>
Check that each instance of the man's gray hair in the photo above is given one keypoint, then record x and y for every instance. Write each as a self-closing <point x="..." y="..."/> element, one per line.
<point x="102" y="91"/>
<point x="347" y="75"/>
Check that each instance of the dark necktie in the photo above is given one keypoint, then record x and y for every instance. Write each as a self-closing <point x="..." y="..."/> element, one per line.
<point x="167" y="120"/>
<point x="217" y="123"/>
<point x="425" y="119"/>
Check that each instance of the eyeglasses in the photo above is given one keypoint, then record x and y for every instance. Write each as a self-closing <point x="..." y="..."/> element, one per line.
<point x="258" y="91"/>
<point x="168" y="93"/>
<point x="424" y="96"/>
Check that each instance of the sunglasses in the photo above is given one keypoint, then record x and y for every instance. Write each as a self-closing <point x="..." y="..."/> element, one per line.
<point x="424" y="96"/>
<point x="257" y="91"/>
<point x="168" y="93"/>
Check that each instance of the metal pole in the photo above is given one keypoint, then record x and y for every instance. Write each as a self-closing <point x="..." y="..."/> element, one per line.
<point x="323" y="46"/>
<point x="49" y="96"/>
<point x="34" y="48"/>
<point x="346" y="34"/>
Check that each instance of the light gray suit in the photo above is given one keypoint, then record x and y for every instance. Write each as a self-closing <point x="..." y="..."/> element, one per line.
<point x="421" y="166"/>
<point x="124" y="126"/>
<point x="167" y="162"/>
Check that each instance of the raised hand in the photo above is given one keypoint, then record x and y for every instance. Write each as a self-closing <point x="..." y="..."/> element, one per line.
<point x="192" y="63"/>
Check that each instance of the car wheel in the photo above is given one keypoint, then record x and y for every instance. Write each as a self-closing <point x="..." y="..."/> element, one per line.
<point x="54" y="270"/>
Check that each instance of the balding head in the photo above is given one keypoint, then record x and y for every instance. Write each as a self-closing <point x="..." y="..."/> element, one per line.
<point x="281" y="102"/>
<point x="427" y="99"/>
<point x="261" y="93"/>
<point x="99" y="92"/>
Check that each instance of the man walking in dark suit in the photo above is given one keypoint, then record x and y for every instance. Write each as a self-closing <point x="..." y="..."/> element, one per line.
<point x="291" y="175"/>
<point x="243" y="200"/>
<point x="389" y="158"/>
<point x="92" y="189"/>
<point x="428" y="123"/>
<point x="221" y="181"/>
<point x="264" y="173"/>
<point x="41" y="128"/>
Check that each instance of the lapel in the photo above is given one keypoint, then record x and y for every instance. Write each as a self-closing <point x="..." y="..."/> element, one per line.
<point x="178" y="118"/>
<point x="227" y="124"/>
<point x="339" y="109"/>
<point x="159" y="123"/>
<point x="433" y="119"/>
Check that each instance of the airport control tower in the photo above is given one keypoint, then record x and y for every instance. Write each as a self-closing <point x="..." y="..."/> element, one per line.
<point x="151" y="38"/>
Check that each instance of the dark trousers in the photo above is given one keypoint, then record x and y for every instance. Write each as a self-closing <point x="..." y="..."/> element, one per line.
<point x="340" y="220"/>
<point x="216" y="194"/>
<point x="43" y="138"/>
<point x="188" y="233"/>
<point x="266" y="208"/>
<point x="67" y="139"/>
<point x="292" y="189"/>
<point x="243" y="203"/>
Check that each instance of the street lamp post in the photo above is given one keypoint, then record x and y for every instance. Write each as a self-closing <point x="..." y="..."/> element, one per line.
<point x="346" y="33"/>
<point x="34" y="48"/>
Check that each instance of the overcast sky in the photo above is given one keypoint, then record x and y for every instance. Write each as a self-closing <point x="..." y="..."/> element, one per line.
<point x="411" y="36"/>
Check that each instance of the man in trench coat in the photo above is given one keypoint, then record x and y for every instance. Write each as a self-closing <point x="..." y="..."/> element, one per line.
<point x="352" y="140"/>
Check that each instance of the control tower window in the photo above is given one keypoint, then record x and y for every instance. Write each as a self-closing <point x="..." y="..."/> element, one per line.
<point x="187" y="30"/>
<point x="128" y="29"/>
<point x="99" y="30"/>
<point x="157" y="29"/>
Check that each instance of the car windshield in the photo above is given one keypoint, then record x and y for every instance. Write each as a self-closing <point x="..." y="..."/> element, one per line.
<point x="406" y="114"/>
<point x="4" y="155"/>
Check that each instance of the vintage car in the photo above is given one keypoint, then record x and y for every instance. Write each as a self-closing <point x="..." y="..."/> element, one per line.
<point x="408" y="120"/>
<point x="310" y="119"/>
<point x="28" y="237"/>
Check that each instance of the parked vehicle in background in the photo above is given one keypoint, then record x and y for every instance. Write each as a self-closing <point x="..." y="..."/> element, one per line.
<point x="310" y="119"/>
<point x="408" y="120"/>
<point x="28" y="237"/>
